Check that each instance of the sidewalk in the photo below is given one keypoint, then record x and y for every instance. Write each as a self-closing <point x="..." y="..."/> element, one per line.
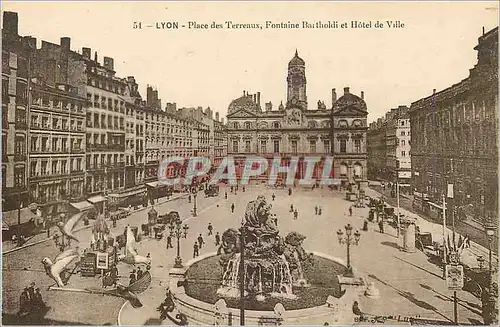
<point x="469" y="256"/>
<point x="8" y="246"/>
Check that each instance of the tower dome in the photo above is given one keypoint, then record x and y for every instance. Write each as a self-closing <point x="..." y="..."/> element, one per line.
<point x="296" y="60"/>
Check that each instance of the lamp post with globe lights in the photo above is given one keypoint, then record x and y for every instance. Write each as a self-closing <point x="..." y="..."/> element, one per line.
<point x="178" y="231"/>
<point x="348" y="240"/>
<point x="490" y="232"/>
<point x="195" y="213"/>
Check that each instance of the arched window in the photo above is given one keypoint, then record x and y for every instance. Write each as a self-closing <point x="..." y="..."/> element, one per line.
<point x="357" y="123"/>
<point x="236" y="125"/>
<point x="248" y="125"/>
<point x="342" y="123"/>
<point x="276" y="124"/>
<point x="358" y="170"/>
<point x="312" y="124"/>
<point x="343" y="169"/>
<point x="263" y="124"/>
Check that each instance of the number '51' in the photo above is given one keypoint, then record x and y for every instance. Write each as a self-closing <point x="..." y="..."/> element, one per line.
<point x="137" y="25"/>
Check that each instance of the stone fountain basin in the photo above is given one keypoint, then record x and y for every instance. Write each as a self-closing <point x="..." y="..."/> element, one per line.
<point x="203" y="277"/>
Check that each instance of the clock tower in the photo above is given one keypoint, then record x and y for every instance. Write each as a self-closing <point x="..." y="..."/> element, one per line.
<point x="296" y="83"/>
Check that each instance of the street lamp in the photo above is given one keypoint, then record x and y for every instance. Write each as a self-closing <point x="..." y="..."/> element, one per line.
<point x="348" y="240"/>
<point x="178" y="231"/>
<point x="490" y="232"/>
<point x="194" y="204"/>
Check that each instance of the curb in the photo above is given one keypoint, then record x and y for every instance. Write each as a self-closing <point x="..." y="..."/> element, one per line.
<point x="88" y="226"/>
<point x="119" y="321"/>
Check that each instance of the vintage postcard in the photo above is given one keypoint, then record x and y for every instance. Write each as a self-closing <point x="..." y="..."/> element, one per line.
<point x="249" y="163"/>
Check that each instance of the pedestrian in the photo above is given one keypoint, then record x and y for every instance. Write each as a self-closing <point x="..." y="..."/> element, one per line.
<point x="381" y="226"/>
<point x="189" y="198"/>
<point x="31" y="291"/>
<point x="196" y="251"/>
<point x="200" y="241"/>
<point x="273" y="196"/>
<point x="320" y="211"/>
<point x="365" y="225"/>
<point x="132" y="277"/>
<point x="243" y="188"/>
<point x="37" y="301"/>
<point x="24" y="302"/>
<point x="295" y="214"/>
<point x="291" y="208"/>
<point x="225" y="195"/>
<point x="316" y="210"/>
<point x="217" y="238"/>
<point x="350" y="211"/>
<point x="169" y="242"/>
<point x="231" y="189"/>
<point x="210" y="229"/>
<point x="289" y="191"/>
<point x="232" y="207"/>
<point x="139" y="273"/>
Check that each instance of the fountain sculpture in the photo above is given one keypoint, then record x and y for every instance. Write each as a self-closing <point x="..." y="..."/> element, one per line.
<point x="272" y="265"/>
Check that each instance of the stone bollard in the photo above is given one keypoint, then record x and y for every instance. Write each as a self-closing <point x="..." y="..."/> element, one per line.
<point x="279" y="313"/>
<point x="221" y="313"/>
<point x="372" y="292"/>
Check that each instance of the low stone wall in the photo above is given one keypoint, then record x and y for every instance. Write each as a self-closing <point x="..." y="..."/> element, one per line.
<point x="202" y="313"/>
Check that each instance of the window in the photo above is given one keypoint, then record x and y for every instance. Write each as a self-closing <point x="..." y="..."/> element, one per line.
<point x="343" y="146"/>
<point x="326" y="144"/>
<point x="357" y="146"/>
<point x="403" y="142"/>
<point x="276" y="146"/>
<point x="19" y="177"/>
<point x="276" y="124"/>
<point x="19" y="146"/>
<point x="403" y="133"/>
<point x="235" y="126"/>
<point x="403" y="153"/>
<point x="263" y="146"/>
<point x="294" y="147"/>
<point x="4" y="148"/>
<point x="247" y="146"/>
<point x="235" y="146"/>
<point x="402" y="123"/>
<point x="312" y="146"/>
<point x="248" y="125"/>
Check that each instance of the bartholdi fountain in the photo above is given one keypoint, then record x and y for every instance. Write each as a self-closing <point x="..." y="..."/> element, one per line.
<point x="281" y="281"/>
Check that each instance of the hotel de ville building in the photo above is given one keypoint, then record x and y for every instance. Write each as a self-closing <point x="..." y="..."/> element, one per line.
<point x="295" y="129"/>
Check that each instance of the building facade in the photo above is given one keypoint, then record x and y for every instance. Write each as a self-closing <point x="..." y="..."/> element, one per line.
<point x="15" y="77"/>
<point x="294" y="129"/>
<point x="454" y="139"/>
<point x="389" y="148"/>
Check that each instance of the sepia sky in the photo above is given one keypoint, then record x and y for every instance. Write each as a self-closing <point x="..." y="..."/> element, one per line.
<point x="211" y="67"/>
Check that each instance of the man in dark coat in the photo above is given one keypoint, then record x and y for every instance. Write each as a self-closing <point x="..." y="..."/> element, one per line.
<point x="217" y="238"/>
<point x="139" y="273"/>
<point x="132" y="277"/>
<point x="169" y="242"/>
<point x="196" y="251"/>
<point x="210" y="229"/>
<point x="200" y="241"/>
<point x="232" y="207"/>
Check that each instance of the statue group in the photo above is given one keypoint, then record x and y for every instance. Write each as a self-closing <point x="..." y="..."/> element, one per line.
<point x="272" y="265"/>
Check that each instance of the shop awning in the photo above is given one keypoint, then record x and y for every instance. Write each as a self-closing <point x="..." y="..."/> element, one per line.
<point x="82" y="206"/>
<point x="10" y="217"/>
<point x="156" y="184"/>
<point x="96" y="199"/>
<point x="135" y="190"/>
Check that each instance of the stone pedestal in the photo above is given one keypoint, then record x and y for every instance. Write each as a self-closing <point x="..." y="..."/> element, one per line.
<point x="408" y="231"/>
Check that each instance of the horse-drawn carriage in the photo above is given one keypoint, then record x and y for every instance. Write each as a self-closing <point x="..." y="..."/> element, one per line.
<point x="212" y="190"/>
<point x="172" y="217"/>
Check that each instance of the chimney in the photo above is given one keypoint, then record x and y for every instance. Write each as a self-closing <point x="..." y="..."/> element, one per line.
<point x="434" y="91"/>
<point x="66" y="43"/>
<point x="95" y="56"/>
<point x="109" y="63"/>
<point x="483" y="30"/>
<point x="269" y="106"/>
<point x="346" y="90"/>
<point x="258" y="99"/>
<point x="244" y="93"/>
<point x="254" y="98"/>
<point x="86" y="53"/>
<point x="362" y="95"/>
<point x="217" y="116"/>
<point x="334" y="96"/>
<point x="10" y="24"/>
